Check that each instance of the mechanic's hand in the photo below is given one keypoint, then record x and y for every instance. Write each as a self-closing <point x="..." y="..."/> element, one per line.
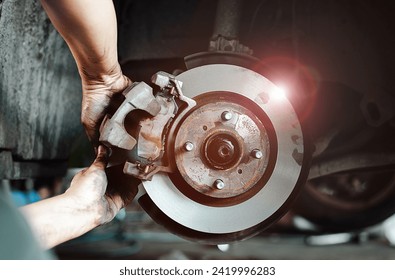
<point x="88" y="189"/>
<point x="98" y="93"/>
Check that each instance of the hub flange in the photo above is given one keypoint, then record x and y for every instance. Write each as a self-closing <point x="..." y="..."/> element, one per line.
<point x="223" y="148"/>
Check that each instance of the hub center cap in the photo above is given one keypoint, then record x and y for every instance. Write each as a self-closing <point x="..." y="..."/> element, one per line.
<point x="222" y="151"/>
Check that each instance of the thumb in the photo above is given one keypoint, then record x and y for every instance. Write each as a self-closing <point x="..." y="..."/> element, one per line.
<point x="128" y="81"/>
<point x="101" y="160"/>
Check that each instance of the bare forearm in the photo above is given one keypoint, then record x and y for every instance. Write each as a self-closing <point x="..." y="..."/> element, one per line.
<point x="59" y="219"/>
<point x="90" y="29"/>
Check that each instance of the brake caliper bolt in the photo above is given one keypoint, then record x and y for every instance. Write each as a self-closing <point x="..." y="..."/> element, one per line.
<point x="188" y="146"/>
<point x="226" y="116"/>
<point x="257" y="154"/>
<point x="219" y="184"/>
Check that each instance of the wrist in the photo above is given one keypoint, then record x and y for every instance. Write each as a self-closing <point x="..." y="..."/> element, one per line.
<point x="87" y="212"/>
<point x="100" y="75"/>
<point x="109" y="82"/>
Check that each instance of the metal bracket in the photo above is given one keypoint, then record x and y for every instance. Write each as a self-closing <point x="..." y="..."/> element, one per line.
<point x="149" y="145"/>
<point x="113" y="132"/>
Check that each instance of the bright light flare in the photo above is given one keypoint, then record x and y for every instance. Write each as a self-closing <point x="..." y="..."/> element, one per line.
<point x="280" y="93"/>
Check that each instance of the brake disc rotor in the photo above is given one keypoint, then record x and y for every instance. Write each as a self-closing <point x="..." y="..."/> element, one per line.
<point x="239" y="154"/>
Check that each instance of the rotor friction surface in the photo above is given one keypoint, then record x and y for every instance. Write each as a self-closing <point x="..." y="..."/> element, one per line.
<point x="223" y="223"/>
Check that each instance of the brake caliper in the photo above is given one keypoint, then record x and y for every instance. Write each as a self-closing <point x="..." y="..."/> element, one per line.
<point x="139" y="126"/>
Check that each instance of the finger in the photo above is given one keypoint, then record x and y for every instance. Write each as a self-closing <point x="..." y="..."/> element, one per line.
<point x="91" y="128"/>
<point x="92" y="114"/>
<point x="128" y="81"/>
<point x="118" y="203"/>
<point x="101" y="160"/>
<point x="93" y="137"/>
<point x="120" y="184"/>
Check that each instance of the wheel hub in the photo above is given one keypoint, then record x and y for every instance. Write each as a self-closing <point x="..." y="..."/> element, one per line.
<point x="223" y="141"/>
<point x="221" y="151"/>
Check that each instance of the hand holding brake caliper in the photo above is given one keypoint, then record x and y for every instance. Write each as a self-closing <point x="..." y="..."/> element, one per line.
<point x="146" y="148"/>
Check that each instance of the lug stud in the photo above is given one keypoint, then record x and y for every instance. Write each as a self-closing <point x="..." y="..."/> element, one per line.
<point x="257" y="154"/>
<point x="188" y="146"/>
<point x="219" y="184"/>
<point x="226" y="116"/>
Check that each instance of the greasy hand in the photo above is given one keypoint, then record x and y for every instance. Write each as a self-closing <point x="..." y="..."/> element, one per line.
<point x="88" y="189"/>
<point x="98" y="93"/>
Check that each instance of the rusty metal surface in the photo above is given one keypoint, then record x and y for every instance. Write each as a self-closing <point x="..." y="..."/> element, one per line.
<point x="150" y="139"/>
<point x="137" y="131"/>
<point x="224" y="135"/>
<point x="137" y="97"/>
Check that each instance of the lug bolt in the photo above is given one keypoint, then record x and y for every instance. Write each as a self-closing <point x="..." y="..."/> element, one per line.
<point x="257" y="154"/>
<point x="219" y="184"/>
<point x="188" y="146"/>
<point x="226" y="116"/>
